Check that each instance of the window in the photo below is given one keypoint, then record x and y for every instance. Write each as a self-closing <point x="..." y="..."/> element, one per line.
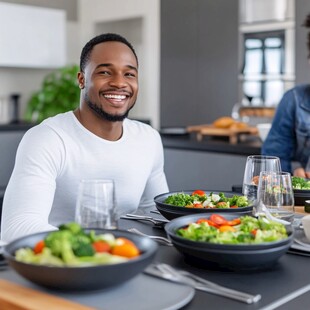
<point x="263" y="67"/>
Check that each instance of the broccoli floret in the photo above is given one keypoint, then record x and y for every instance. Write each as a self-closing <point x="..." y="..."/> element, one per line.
<point x="60" y="243"/>
<point x="75" y="228"/>
<point x="84" y="249"/>
<point x="69" y="243"/>
<point x="240" y="201"/>
<point x="81" y="246"/>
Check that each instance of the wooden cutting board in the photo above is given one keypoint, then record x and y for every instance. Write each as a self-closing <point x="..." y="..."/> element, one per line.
<point x="231" y="133"/>
<point x="17" y="297"/>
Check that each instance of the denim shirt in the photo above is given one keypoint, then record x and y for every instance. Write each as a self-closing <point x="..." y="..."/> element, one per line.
<point x="289" y="136"/>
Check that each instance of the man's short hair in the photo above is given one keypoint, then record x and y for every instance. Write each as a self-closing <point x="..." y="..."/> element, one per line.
<point x="106" y="37"/>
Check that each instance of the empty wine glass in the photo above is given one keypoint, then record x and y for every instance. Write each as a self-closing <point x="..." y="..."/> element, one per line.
<point x="95" y="206"/>
<point x="275" y="191"/>
<point x="254" y="165"/>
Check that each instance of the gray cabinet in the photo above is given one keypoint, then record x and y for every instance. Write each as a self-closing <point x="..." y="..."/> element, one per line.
<point x="9" y="141"/>
<point x="199" y="60"/>
<point x="186" y="170"/>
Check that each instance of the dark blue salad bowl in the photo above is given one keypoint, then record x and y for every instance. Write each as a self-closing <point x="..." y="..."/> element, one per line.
<point x="242" y="257"/>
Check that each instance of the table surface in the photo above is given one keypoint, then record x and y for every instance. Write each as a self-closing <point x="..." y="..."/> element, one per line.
<point x="286" y="283"/>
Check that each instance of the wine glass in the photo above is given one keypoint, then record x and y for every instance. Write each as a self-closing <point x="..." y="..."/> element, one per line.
<point x="275" y="191"/>
<point x="254" y="165"/>
<point x="95" y="205"/>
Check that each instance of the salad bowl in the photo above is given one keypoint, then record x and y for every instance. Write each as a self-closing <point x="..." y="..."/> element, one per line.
<point x="86" y="277"/>
<point x="242" y="257"/>
<point x="170" y="211"/>
<point x="301" y="189"/>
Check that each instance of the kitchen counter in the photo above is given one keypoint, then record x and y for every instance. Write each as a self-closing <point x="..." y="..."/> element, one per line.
<point x="252" y="145"/>
<point x="21" y="126"/>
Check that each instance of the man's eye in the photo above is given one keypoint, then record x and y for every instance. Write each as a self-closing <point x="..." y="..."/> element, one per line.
<point x="130" y="74"/>
<point x="104" y="72"/>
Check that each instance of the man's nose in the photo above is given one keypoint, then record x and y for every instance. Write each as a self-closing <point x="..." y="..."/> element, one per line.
<point x="118" y="81"/>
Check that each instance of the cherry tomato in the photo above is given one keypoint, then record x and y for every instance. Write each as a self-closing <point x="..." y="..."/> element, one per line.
<point x="234" y="222"/>
<point x="218" y="219"/>
<point x="197" y="205"/>
<point x="38" y="248"/>
<point x="234" y="206"/>
<point x="101" y="246"/>
<point x="253" y="232"/>
<point x="199" y="221"/>
<point x="199" y="192"/>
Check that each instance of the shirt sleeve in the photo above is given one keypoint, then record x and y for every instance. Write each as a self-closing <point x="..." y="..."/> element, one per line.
<point x="157" y="183"/>
<point x="29" y="195"/>
<point x="281" y="140"/>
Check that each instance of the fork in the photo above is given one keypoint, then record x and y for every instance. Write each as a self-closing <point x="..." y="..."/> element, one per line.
<point x="157" y="238"/>
<point x="205" y="285"/>
<point x="157" y="222"/>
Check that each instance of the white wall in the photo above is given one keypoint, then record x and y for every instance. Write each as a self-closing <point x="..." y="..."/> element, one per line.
<point x="25" y="81"/>
<point x="101" y="12"/>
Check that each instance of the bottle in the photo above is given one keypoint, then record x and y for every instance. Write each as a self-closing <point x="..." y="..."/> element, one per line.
<point x="307" y="206"/>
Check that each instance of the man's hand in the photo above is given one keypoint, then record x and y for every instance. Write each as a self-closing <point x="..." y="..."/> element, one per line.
<point x="300" y="172"/>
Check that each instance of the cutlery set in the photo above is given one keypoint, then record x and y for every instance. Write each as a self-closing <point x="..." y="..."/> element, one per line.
<point x="167" y="272"/>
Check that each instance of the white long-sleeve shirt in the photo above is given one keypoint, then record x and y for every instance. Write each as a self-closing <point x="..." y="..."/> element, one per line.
<point x="54" y="156"/>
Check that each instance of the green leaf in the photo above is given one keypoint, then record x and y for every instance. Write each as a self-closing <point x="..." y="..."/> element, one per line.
<point x="59" y="93"/>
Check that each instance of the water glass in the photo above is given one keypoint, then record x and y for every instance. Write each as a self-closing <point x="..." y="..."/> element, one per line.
<point x="254" y="165"/>
<point x="95" y="206"/>
<point x="275" y="191"/>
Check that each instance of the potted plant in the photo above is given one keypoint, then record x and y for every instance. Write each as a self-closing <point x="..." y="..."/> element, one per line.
<point x="59" y="93"/>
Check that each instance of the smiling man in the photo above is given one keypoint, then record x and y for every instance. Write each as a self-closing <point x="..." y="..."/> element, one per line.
<point x="96" y="141"/>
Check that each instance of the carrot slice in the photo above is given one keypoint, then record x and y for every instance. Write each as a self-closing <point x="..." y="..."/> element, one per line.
<point x="226" y="228"/>
<point x="126" y="248"/>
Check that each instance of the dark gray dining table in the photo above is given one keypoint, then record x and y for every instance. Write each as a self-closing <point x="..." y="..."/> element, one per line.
<point x="284" y="286"/>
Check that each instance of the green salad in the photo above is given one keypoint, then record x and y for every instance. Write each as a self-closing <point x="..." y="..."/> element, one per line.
<point x="200" y="199"/>
<point x="244" y="230"/>
<point x="300" y="183"/>
<point x="72" y="246"/>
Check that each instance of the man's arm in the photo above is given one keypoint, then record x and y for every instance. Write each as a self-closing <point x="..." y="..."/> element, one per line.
<point x="29" y="195"/>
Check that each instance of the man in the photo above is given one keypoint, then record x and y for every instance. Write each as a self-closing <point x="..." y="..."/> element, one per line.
<point x="96" y="141"/>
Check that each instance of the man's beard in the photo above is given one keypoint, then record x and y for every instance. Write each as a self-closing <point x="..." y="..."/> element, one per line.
<point x="103" y="114"/>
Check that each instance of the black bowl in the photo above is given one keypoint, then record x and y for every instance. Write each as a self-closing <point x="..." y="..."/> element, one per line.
<point x="170" y="212"/>
<point x="82" y="278"/>
<point x="236" y="257"/>
<point x="300" y="196"/>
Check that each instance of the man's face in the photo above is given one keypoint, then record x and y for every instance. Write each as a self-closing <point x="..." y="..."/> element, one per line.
<point x="111" y="80"/>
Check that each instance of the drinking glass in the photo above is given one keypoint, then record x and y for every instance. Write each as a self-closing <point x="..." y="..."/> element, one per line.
<point x="95" y="206"/>
<point x="254" y="165"/>
<point x="275" y="191"/>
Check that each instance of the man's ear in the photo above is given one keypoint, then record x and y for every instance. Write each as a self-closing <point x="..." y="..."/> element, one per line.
<point x="81" y="80"/>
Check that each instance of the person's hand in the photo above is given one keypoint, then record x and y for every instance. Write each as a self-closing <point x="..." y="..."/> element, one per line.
<point x="300" y="172"/>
